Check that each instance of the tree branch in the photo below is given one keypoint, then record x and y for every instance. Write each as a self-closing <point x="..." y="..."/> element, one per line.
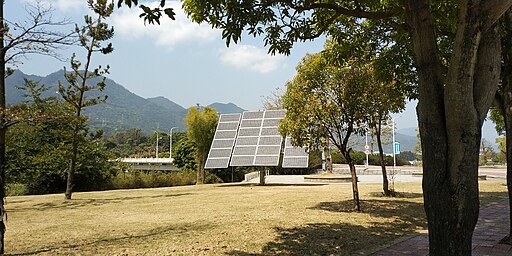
<point x="358" y="13"/>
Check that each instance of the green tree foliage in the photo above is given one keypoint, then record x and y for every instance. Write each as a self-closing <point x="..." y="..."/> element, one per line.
<point x="127" y="143"/>
<point x="35" y="35"/>
<point x="38" y="158"/>
<point x="323" y="100"/>
<point x="200" y="130"/>
<point x="184" y="154"/>
<point x="91" y="37"/>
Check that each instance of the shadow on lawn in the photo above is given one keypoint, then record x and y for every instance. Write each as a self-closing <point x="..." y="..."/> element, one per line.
<point x="126" y="237"/>
<point x="77" y="203"/>
<point x="348" y="238"/>
<point x="271" y="185"/>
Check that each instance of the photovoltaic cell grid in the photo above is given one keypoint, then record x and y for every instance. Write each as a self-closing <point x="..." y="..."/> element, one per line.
<point x="223" y="141"/>
<point x="294" y="157"/>
<point x="253" y="139"/>
<point x="258" y="142"/>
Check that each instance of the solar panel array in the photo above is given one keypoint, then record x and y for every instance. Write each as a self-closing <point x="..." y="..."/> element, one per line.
<point x="294" y="157"/>
<point x="223" y="141"/>
<point x="258" y="142"/>
<point x="252" y="139"/>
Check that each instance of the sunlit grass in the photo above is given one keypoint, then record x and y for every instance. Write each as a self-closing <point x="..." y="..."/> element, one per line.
<point x="234" y="219"/>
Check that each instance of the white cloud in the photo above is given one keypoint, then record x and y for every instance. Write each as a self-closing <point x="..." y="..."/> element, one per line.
<point x="71" y="5"/>
<point x="252" y="58"/>
<point x="60" y="5"/>
<point x="168" y="34"/>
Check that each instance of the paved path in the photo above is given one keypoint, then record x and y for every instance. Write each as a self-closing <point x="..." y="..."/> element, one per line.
<point x="492" y="226"/>
<point x="299" y="179"/>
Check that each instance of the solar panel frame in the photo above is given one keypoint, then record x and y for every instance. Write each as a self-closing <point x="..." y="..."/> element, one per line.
<point x="294" y="157"/>
<point x="225" y="136"/>
<point x="253" y="139"/>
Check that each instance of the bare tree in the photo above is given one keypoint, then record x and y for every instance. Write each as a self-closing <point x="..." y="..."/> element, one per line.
<point x="36" y="35"/>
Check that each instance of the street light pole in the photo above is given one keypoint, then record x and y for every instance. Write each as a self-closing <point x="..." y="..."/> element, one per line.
<point x="394" y="155"/>
<point x="170" y="142"/>
<point x="157" y="143"/>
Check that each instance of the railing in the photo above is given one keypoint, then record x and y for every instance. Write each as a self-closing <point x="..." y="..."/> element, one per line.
<point x="251" y="175"/>
<point x="147" y="160"/>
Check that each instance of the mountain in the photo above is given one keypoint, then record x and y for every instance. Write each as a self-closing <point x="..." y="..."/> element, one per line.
<point x="123" y="109"/>
<point x="407" y="142"/>
<point x="411" y="131"/>
<point x="167" y="104"/>
<point x="226" y="108"/>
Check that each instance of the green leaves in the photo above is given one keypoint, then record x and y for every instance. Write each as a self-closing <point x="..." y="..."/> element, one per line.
<point x="200" y="130"/>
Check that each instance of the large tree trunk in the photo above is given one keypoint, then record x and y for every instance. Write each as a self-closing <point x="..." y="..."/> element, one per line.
<point x="385" y="182"/>
<point x="451" y="111"/>
<point x="3" y="128"/>
<point x="504" y="100"/>
<point x="508" y="142"/>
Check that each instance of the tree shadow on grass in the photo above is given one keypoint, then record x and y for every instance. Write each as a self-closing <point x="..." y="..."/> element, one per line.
<point x="348" y="238"/>
<point x="77" y="203"/>
<point x="272" y="185"/>
<point x="138" y="238"/>
<point x="489" y="197"/>
<point x="328" y="239"/>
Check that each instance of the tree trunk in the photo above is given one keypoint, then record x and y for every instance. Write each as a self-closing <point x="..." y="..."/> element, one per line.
<point x="72" y="166"/>
<point x="328" y="159"/>
<point x="451" y="111"/>
<point x="508" y="151"/>
<point x="200" y="172"/>
<point x="385" y="182"/>
<point x="3" y="128"/>
<point x="355" y="189"/>
<point x="504" y="100"/>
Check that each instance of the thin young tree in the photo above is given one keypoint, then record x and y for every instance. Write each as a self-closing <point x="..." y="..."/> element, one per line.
<point x="38" y="34"/>
<point x="81" y="79"/>
<point x="200" y="130"/>
<point x="323" y="101"/>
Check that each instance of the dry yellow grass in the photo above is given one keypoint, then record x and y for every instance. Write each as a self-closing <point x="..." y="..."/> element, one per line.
<point x="218" y="219"/>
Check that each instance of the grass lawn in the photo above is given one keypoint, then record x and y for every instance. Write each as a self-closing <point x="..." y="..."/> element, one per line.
<point x="226" y="219"/>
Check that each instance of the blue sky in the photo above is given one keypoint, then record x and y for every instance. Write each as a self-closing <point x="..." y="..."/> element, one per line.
<point x="185" y="62"/>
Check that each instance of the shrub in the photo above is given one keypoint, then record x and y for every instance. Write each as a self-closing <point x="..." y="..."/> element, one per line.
<point x="16" y="189"/>
<point x="138" y="179"/>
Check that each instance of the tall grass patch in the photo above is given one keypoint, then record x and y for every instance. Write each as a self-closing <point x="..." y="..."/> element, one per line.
<point x="137" y="179"/>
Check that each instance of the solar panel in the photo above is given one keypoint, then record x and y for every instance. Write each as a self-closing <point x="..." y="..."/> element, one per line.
<point x="266" y="160"/>
<point x="295" y="162"/>
<point x="279" y="114"/>
<point x="294" y="157"/>
<point x="253" y="139"/>
<point x="242" y="161"/>
<point x="244" y="151"/>
<point x="258" y="139"/>
<point x="223" y="141"/>
<point x="249" y="132"/>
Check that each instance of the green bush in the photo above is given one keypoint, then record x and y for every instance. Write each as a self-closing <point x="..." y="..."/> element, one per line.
<point x="137" y="179"/>
<point x="16" y="189"/>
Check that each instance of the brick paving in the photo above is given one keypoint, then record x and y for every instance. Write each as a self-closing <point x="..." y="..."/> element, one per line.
<point x="492" y="226"/>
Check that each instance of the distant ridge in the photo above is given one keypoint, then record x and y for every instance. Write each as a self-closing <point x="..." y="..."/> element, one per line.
<point x="122" y="110"/>
<point x="226" y="108"/>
